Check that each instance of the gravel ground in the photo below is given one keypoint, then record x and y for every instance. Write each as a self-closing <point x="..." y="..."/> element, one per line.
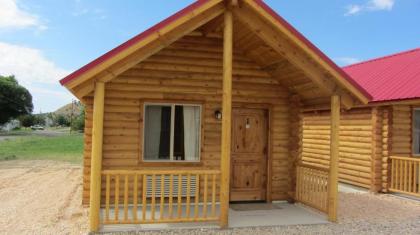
<point x="359" y="213"/>
<point x="44" y="197"/>
<point x="41" y="197"/>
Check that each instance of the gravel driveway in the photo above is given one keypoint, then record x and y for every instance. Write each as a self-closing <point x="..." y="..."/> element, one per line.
<point x="41" y="197"/>
<point x="44" y="197"/>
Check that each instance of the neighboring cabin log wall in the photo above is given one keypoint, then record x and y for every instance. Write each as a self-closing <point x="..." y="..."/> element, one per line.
<point x="386" y="146"/>
<point x="368" y="137"/>
<point x="401" y="131"/>
<point x="190" y="70"/>
<point x="356" y="144"/>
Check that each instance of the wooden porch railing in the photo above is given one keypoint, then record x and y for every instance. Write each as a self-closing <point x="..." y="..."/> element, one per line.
<point x="312" y="186"/>
<point x="405" y="176"/>
<point x="160" y="196"/>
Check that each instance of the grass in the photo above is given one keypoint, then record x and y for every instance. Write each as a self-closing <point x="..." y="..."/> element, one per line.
<point x="63" y="147"/>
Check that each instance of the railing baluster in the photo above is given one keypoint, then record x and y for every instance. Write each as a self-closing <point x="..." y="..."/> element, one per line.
<point x="126" y="198"/>
<point x="187" y="205"/>
<point x="298" y="186"/>
<point x="153" y="197"/>
<point x="107" y="189"/>
<point x="392" y="172"/>
<point x="213" y="197"/>
<point x="135" y="197"/>
<point x="162" y="195"/>
<point x="197" y="195"/>
<point x="117" y="197"/>
<point x="179" y="195"/>
<point x="144" y="199"/>
<point x="416" y="178"/>
<point x="171" y="191"/>
<point x="205" y="196"/>
<point x="410" y="176"/>
<point x="405" y="175"/>
<point x="401" y="186"/>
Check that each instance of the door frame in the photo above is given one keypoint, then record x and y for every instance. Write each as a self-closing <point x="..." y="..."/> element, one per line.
<point x="269" y="110"/>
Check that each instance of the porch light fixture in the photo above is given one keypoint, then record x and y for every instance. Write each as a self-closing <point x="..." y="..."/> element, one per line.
<point x="218" y="115"/>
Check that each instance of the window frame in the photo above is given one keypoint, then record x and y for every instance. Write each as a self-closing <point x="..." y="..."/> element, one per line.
<point x="413" y="131"/>
<point x="172" y="137"/>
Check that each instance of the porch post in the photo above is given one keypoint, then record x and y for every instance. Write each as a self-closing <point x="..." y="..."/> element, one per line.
<point x="334" y="152"/>
<point x="96" y="156"/>
<point x="226" y="119"/>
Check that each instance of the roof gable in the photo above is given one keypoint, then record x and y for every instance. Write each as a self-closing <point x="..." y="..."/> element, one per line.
<point x="81" y="81"/>
<point x="132" y="41"/>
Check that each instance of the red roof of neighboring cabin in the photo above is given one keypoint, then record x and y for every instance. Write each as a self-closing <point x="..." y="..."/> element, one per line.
<point x="390" y="78"/>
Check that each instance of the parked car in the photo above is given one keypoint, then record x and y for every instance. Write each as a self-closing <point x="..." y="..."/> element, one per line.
<point x="37" y="127"/>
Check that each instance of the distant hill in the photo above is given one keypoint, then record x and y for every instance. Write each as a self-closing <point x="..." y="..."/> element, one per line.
<point x="66" y="109"/>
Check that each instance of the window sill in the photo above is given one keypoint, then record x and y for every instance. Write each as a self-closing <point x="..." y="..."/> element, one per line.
<point x="170" y="163"/>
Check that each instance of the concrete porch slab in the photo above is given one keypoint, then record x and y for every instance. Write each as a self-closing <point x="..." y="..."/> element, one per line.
<point x="281" y="215"/>
<point x="248" y="215"/>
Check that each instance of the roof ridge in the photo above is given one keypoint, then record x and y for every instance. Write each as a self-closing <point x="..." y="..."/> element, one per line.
<point x="382" y="57"/>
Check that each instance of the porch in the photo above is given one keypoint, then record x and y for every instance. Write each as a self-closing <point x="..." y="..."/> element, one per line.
<point x="155" y="199"/>
<point x="241" y="215"/>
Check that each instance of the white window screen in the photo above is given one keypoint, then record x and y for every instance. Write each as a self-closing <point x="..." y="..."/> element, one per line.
<point x="416" y="131"/>
<point x="172" y="132"/>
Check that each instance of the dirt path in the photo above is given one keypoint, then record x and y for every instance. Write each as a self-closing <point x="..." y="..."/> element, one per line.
<point x="41" y="197"/>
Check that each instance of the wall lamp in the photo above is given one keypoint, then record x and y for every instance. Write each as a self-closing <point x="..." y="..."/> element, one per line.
<point x="218" y="115"/>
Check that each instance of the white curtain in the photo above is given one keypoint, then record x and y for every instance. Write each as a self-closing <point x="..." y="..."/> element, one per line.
<point x="152" y="132"/>
<point x="191" y="132"/>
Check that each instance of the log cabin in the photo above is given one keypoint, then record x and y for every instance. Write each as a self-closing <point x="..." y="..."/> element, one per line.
<point x="223" y="101"/>
<point x="379" y="142"/>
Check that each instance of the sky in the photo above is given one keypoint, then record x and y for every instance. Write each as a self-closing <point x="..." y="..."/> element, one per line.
<point x="42" y="41"/>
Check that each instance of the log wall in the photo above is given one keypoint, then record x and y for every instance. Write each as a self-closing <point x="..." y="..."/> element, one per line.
<point x="401" y="131"/>
<point x="190" y="70"/>
<point x="386" y="147"/>
<point x="368" y="137"/>
<point x="356" y="144"/>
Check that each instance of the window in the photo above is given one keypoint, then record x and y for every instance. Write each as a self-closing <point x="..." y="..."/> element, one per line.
<point x="416" y="132"/>
<point x="172" y="132"/>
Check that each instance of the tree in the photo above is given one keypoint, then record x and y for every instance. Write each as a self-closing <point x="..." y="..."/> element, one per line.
<point x="39" y="119"/>
<point x="27" y="120"/>
<point x="15" y="100"/>
<point x="78" y="123"/>
<point x="61" y="120"/>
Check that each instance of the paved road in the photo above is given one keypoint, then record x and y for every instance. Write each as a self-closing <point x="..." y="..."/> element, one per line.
<point x="47" y="133"/>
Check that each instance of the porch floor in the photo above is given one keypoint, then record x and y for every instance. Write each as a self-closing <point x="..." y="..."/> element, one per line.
<point x="242" y="215"/>
<point x="281" y="213"/>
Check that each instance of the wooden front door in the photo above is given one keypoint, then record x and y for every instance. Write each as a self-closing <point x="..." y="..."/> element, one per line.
<point x="249" y="155"/>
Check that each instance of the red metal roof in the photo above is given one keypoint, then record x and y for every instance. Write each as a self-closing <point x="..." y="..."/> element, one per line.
<point x="132" y="41"/>
<point x="190" y="8"/>
<point x="390" y="78"/>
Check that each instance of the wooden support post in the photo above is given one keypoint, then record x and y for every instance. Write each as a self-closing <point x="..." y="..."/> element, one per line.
<point x="334" y="153"/>
<point x="226" y="119"/>
<point x="96" y="157"/>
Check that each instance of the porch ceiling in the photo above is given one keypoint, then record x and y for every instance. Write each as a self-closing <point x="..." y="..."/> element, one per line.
<point x="297" y="76"/>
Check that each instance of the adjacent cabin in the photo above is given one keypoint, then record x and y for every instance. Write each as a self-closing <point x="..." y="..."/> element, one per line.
<point x="379" y="142"/>
<point x="224" y="101"/>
